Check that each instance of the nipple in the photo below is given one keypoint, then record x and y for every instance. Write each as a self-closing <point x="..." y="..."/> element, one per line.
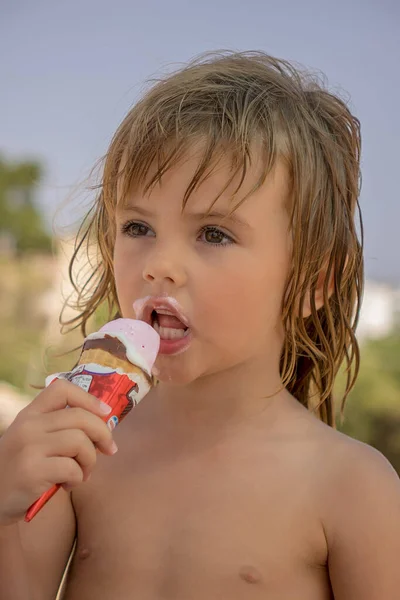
<point x="250" y="574"/>
<point x="83" y="553"/>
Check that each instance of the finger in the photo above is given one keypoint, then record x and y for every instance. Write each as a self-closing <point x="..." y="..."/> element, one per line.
<point x="62" y="470"/>
<point x="78" y="418"/>
<point x="75" y="444"/>
<point x="62" y="393"/>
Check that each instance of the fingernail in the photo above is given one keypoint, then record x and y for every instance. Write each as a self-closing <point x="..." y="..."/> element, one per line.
<point x="105" y="408"/>
<point x="114" y="447"/>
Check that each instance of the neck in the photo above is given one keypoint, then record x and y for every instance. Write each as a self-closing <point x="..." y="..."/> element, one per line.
<point x="222" y="399"/>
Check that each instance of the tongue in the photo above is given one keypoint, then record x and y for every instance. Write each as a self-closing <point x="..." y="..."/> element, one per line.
<point x="170" y="321"/>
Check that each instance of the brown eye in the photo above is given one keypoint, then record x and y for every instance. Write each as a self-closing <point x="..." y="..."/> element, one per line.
<point x="135" y="229"/>
<point x="215" y="237"/>
<point x="138" y="229"/>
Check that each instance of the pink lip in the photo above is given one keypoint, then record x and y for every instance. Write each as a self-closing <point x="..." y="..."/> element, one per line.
<point x="175" y="346"/>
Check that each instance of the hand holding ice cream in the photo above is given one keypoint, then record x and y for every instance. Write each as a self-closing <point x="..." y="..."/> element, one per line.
<point x="115" y="366"/>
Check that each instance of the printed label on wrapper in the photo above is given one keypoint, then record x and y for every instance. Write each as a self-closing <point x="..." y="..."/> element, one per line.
<point x="115" y="389"/>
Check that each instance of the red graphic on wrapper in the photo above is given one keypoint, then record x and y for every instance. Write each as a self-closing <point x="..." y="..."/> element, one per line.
<point x="115" y="389"/>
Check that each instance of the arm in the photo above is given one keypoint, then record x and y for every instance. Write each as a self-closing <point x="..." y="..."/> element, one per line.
<point x="45" y="444"/>
<point x="14" y="581"/>
<point x="47" y="542"/>
<point x="363" y="526"/>
<point x="33" y="555"/>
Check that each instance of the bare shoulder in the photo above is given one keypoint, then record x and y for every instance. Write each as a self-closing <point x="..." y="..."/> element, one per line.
<point x="359" y="508"/>
<point x="353" y="467"/>
<point x="338" y="453"/>
<point x="360" y="478"/>
<point x="346" y="472"/>
<point x="350" y="468"/>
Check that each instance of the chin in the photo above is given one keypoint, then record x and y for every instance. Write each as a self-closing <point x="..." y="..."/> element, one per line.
<point x="174" y="371"/>
<point x="171" y="377"/>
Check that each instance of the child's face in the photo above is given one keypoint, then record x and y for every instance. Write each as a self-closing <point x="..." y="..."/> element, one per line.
<point x="228" y="277"/>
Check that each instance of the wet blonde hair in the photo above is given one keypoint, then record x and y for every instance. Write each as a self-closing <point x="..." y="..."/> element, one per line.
<point x="231" y="101"/>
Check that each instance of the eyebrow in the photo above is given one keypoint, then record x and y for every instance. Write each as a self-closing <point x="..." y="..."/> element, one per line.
<point x="215" y="214"/>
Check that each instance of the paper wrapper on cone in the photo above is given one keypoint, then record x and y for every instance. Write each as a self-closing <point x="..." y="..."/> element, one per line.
<point x="104" y="371"/>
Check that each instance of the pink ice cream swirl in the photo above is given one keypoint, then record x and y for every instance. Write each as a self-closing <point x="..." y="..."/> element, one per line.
<point x="141" y="341"/>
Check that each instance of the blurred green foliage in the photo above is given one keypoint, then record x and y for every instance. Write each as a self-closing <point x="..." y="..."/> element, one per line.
<point x="20" y="219"/>
<point x="372" y="411"/>
<point x="24" y="282"/>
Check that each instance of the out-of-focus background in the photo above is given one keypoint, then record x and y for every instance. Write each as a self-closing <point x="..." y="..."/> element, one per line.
<point x="70" y="71"/>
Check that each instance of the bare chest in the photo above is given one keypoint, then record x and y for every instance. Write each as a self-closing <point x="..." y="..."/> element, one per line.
<point x="193" y="528"/>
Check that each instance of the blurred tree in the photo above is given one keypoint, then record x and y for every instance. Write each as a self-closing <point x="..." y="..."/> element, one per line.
<point x="372" y="411"/>
<point x="21" y="225"/>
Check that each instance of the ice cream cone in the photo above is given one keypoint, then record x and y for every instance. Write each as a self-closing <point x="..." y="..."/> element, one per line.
<point x="103" y="357"/>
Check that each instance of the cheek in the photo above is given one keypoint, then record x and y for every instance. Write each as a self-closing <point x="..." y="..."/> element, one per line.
<point x="126" y="279"/>
<point x="246" y="298"/>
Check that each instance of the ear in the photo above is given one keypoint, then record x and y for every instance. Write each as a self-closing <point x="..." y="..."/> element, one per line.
<point x="319" y="293"/>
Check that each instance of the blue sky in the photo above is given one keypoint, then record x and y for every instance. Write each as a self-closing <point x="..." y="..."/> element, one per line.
<point x="71" y="70"/>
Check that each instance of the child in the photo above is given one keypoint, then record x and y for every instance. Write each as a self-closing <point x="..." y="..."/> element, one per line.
<point x="225" y="219"/>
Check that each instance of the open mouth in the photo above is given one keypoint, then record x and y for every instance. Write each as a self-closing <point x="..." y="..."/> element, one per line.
<point x="168" y="325"/>
<point x="167" y="318"/>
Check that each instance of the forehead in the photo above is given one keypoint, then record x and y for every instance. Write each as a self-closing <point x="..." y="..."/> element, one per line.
<point x="221" y="186"/>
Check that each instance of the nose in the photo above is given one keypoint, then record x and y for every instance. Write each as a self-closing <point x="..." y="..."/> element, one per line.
<point x="166" y="265"/>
